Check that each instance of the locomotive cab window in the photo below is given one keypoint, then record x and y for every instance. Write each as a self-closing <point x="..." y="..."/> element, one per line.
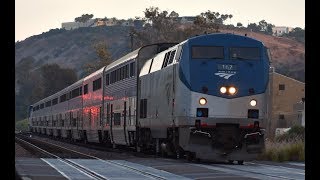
<point x="246" y="53"/>
<point x="207" y="52"/>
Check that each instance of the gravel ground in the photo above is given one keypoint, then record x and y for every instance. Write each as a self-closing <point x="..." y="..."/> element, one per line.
<point x="21" y="152"/>
<point x="98" y="153"/>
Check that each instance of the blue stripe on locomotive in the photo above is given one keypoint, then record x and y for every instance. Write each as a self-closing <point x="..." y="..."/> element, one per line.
<point x="197" y="73"/>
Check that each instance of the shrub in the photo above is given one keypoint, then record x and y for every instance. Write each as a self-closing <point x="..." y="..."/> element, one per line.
<point x="298" y="130"/>
<point x="295" y="133"/>
<point x="22" y="125"/>
<point x="292" y="150"/>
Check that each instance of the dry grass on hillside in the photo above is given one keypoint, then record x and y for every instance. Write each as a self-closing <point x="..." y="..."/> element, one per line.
<point x="282" y="49"/>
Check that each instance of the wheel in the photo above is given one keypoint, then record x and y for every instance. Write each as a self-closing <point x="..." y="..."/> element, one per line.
<point x="240" y="162"/>
<point x="163" y="153"/>
<point x="189" y="156"/>
<point x="138" y="149"/>
<point x="230" y="161"/>
<point x="178" y="154"/>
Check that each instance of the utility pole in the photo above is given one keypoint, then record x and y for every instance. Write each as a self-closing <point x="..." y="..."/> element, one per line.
<point x="131" y="39"/>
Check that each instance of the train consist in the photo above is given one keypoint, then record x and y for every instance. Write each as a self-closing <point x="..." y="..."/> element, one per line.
<point x="205" y="97"/>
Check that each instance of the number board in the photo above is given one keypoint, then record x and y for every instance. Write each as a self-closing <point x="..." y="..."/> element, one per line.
<point x="227" y="67"/>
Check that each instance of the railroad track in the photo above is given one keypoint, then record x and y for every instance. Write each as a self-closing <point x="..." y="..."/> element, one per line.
<point x="99" y="147"/>
<point x="249" y="169"/>
<point x="50" y="150"/>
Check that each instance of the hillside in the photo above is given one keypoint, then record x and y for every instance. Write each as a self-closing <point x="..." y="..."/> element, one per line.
<point x="73" y="48"/>
<point x="288" y="55"/>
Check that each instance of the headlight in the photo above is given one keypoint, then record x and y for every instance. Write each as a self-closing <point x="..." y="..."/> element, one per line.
<point x="253" y="102"/>
<point x="223" y="90"/>
<point x="232" y="90"/>
<point x="202" y="101"/>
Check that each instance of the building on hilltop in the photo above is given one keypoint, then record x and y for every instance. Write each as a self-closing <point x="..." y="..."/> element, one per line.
<point x="127" y="23"/>
<point x="111" y="22"/>
<point x="100" y="22"/>
<point x="186" y="19"/>
<point x="75" y="25"/>
<point x="280" y="30"/>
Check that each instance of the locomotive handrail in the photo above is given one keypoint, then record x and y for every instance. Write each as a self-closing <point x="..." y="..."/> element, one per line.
<point x="250" y="134"/>
<point x="202" y="132"/>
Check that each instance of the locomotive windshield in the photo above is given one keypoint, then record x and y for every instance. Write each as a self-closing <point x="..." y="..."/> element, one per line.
<point x="207" y="52"/>
<point x="247" y="53"/>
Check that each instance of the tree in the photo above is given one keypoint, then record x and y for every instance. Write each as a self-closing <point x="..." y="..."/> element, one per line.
<point x="151" y="13"/>
<point x="209" y="16"/>
<point x="269" y="29"/>
<point x="162" y="25"/>
<point x="224" y="17"/>
<point x="239" y="24"/>
<point x="254" y="27"/>
<point x="296" y="33"/>
<point x="103" y="58"/>
<point x="173" y="14"/>
<point x="215" y="17"/>
<point x="35" y="84"/>
<point x="263" y="25"/>
<point x="266" y="27"/>
<point x="23" y="68"/>
<point x="211" y="20"/>
<point x="26" y="84"/>
<point x="55" y="78"/>
<point x="200" y="21"/>
<point x="84" y="18"/>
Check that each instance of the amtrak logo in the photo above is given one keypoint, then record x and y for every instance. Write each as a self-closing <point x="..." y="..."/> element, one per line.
<point x="225" y="75"/>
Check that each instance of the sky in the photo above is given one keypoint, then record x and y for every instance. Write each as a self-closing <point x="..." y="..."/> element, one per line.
<point x="32" y="17"/>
